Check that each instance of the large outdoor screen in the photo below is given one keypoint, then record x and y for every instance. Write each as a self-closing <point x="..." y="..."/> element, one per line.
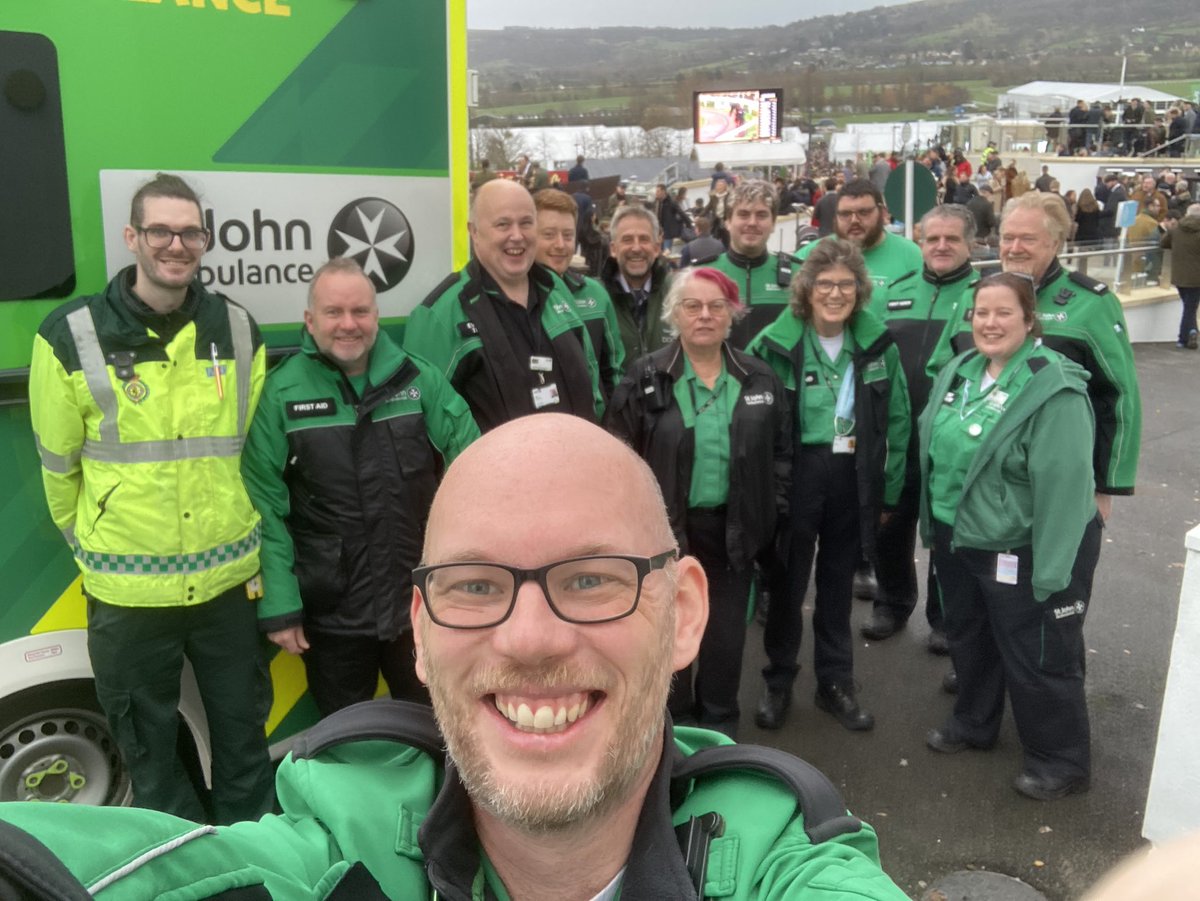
<point x="725" y="117"/>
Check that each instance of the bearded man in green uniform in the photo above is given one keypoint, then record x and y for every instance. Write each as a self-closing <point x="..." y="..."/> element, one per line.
<point x="860" y="220"/>
<point x="547" y="630"/>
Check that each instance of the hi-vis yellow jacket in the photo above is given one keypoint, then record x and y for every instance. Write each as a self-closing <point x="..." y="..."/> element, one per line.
<point x="140" y="421"/>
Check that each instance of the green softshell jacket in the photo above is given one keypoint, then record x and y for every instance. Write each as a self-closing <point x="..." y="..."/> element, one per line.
<point x="881" y="410"/>
<point x="595" y="308"/>
<point x="1031" y="481"/>
<point x="367" y="816"/>
<point x="763" y="286"/>
<point x="454" y="331"/>
<point x="892" y="258"/>
<point x="344" y="484"/>
<point x="1084" y="321"/>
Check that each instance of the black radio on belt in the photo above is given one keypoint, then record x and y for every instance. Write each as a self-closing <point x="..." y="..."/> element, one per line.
<point x="655" y="386"/>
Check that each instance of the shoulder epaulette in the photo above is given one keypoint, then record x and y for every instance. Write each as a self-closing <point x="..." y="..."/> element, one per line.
<point x="1086" y="281"/>
<point x="897" y="281"/>
<point x="442" y="287"/>
<point x="820" y="802"/>
<point x="1037" y="364"/>
<point x="382" y="719"/>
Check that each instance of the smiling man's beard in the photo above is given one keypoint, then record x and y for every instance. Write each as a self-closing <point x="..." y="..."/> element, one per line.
<point x="536" y="807"/>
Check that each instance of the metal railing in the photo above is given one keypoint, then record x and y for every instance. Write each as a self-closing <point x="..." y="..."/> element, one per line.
<point x="1123" y="269"/>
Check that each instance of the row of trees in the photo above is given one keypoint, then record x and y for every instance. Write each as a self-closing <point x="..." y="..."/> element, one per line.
<point x="502" y="146"/>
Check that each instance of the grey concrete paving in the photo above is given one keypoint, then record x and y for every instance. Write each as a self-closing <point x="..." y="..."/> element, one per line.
<point x="937" y="815"/>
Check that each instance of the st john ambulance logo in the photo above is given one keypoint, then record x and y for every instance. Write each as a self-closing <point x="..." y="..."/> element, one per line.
<point x="374" y="233"/>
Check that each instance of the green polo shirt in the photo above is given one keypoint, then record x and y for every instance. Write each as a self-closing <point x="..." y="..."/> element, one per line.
<point x="822" y="381"/>
<point x="964" y="419"/>
<point x="709" y="414"/>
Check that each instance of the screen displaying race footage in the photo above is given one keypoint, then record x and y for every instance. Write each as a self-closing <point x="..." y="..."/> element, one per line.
<point x="724" y="117"/>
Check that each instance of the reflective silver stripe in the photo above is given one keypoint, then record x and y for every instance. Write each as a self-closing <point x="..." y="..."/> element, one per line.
<point x="162" y="451"/>
<point x="69" y="534"/>
<point x="147" y="856"/>
<point x="243" y="358"/>
<point x="95" y="371"/>
<point x="56" y="462"/>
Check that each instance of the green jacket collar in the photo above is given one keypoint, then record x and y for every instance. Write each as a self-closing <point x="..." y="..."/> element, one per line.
<point x="864" y="327"/>
<point x="382" y="362"/>
<point x="1052" y="373"/>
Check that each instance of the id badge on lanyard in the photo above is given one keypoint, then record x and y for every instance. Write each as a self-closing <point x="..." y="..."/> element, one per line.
<point x="545" y="394"/>
<point x="843" y="415"/>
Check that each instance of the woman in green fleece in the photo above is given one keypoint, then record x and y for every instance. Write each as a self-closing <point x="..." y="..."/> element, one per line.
<point x="1008" y="508"/>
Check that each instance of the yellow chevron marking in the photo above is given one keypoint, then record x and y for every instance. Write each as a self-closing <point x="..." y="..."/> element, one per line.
<point x="69" y="611"/>
<point x="289" y="683"/>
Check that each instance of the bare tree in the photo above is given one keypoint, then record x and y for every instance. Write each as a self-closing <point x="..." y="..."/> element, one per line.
<point x="499" y="145"/>
<point x="545" y="149"/>
<point x="683" y="142"/>
<point x="656" y="142"/>
<point x="622" y="144"/>
<point x="595" y="144"/>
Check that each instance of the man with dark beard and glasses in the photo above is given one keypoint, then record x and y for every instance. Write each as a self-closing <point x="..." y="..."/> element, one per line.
<point x="547" y="631"/>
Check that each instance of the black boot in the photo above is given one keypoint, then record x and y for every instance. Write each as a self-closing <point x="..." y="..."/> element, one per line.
<point x="773" y="707"/>
<point x="842" y="702"/>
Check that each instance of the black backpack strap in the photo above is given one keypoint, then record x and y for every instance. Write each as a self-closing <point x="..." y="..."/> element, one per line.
<point x="29" y="871"/>
<point x="382" y="719"/>
<point x="821" y="804"/>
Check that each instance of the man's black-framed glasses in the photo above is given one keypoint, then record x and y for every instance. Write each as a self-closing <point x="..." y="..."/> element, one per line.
<point x="583" y="590"/>
<point x="160" y="237"/>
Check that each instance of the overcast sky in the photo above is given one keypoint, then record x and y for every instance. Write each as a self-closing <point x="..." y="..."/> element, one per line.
<point x="689" y="14"/>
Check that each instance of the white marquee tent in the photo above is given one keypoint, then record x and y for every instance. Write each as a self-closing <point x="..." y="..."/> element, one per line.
<point x="1037" y="98"/>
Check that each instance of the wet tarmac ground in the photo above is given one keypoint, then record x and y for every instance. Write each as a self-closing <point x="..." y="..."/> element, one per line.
<point x="941" y="818"/>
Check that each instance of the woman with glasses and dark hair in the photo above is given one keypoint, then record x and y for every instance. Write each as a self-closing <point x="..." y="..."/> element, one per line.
<point x="712" y="424"/>
<point x="849" y="402"/>
<point x="1008" y="507"/>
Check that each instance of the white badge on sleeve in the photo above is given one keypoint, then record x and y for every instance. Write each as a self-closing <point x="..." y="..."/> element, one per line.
<point x="843" y="444"/>
<point x="1006" y="569"/>
<point x="541" y="364"/>
<point x="545" y="396"/>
